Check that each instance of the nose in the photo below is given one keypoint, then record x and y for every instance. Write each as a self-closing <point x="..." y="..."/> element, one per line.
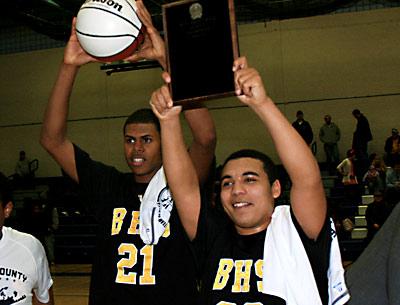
<point x="238" y="188"/>
<point x="139" y="146"/>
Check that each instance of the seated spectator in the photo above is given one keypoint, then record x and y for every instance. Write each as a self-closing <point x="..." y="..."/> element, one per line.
<point x="393" y="176"/>
<point x="372" y="180"/>
<point x="26" y="277"/>
<point x="380" y="166"/>
<point x="392" y="148"/>
<point x="23" y="171"/>
<point x="22" y="166"/>
<point x="376" y="214"/>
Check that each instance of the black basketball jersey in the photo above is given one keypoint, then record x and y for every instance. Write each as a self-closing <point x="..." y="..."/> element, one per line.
<point x="231" y="264"/>
<point x="125" y="270"/>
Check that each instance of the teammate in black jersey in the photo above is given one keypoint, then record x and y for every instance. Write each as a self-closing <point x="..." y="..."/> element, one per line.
<point x="125" y="269"/>
<point x="230" y="249"/>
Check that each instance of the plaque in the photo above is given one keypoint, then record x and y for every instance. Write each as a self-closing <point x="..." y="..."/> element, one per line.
<point x="201" y="45"/>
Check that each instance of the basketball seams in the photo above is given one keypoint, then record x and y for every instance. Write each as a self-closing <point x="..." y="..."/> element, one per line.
<point x="111" y="12"/>
<point x="106" y="36"/>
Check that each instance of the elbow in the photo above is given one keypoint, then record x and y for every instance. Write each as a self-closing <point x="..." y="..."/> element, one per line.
<point x="46" y="142"/>
<point x="209" y="140"/>
<point x="49" y="143"/>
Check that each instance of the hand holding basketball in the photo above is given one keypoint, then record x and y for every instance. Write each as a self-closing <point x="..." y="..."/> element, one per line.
<point x="109" y="30"/>
<point x="74" y="54"/>
<point x="153" y="46"/>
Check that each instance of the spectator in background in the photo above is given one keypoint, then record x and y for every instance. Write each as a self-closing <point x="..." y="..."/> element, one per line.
<point x="376" y="214"/>
<point x="23" y="174"/>
<point x="26" y="279"/>
<point x="393" y="176"/>
<point x="41" y="220"/>
<point x="372" y="180"/>
<point x="22" y="166"/>
<point x="392" y="148"/>
<point x="362" y="135"/>
<point x="303" y="128"/>
<point x="380" y="166"/>
<point x="329" y="134"/>
<point x="346" y="169"/>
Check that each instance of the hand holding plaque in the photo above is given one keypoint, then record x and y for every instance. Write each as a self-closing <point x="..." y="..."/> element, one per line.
<point x="201" y="40"/>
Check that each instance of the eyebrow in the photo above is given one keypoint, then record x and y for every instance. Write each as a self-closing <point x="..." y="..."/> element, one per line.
<point x="249" y="173"/>
<point x="133" y="137"/>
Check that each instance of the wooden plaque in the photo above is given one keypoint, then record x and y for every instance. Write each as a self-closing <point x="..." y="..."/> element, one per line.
<point x="201" y="44"/>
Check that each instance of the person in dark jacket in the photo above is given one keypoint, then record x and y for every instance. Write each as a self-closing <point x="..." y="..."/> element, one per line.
<point x="362" y="135"/>
<point x="303" y="128"/>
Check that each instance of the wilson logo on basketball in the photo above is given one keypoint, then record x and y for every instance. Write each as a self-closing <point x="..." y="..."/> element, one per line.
<point x="111" y="3"/>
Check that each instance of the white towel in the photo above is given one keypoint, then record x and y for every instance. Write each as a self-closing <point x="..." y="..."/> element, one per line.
<point x="155" y="209"/>
<point x="287" y="272"/>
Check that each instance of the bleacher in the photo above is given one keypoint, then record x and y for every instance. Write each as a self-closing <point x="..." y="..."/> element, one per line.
<point x="75" y="237"/>
<point x="352" y="242"/>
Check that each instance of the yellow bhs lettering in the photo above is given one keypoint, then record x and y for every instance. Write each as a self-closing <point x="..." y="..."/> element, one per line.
<point x="222" y="277"/>
<point x="258" y="266"/>
<point x="118" y="220"/>
<point x="134" y="228"/>
<point x="242" y="274"/>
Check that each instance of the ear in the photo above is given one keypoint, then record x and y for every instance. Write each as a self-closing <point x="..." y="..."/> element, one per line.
<point x="8" y="209"/>
<point x="276" y="189"/>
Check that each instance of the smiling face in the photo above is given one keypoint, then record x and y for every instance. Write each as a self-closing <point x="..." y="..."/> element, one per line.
<point x="247" y="196"/>
<point x="142" y="146"/>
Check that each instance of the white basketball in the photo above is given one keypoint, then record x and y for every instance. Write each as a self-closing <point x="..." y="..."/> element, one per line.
<point x="109" y="29"/>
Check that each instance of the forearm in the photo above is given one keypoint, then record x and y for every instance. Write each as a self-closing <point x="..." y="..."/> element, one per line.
<point x="291" y="148"/>
<point x="202" y="148"/>
<point x="56" y="114"/>
<point x="181" y="175"/>
<point x="307" y="194"/>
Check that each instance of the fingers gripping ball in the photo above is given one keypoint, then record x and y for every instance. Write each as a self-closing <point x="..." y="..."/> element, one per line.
<point x="109" y="30"/>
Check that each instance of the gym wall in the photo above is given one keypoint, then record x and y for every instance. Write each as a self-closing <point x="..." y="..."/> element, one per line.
<point x="325" y="64"/>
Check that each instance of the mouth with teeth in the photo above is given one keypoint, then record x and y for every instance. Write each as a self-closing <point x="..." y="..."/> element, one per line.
<point x="240" y="205"/>
<point x="136" y="161"/>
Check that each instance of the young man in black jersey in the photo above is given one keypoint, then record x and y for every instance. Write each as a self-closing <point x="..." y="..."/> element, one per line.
<point x="297" y="244"/>
<point x="125" y="269"/>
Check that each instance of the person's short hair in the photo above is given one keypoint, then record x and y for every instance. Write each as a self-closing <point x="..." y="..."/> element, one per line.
<point x="299" y="112"/>
<point x="142" y="116"/>
<point x="350" y="153"/>
<point x="395" y="131"/>
<point x="356" y="112"/>
<point x="268" y="164"/>
<point x="5" y="190"/>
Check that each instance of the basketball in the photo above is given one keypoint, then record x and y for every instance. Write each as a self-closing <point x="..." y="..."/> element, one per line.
<point x="109" y="30"/>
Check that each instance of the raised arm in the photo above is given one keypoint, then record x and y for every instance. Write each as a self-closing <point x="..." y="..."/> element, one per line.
<point x="54" y="129"/>
<point x="153" y="47"/>
<point x="307" y="194"/>
<point x="202" y="148"/>
<point x="179" y="169"/>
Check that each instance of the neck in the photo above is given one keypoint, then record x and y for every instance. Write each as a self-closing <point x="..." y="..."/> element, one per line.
<point x="253" y="230"/>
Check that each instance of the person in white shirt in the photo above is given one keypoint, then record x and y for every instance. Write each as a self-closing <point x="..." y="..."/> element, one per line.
<point x="24" y="271"/>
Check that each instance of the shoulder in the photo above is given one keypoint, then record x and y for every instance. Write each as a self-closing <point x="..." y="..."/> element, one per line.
<point x="24" y="241"/>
